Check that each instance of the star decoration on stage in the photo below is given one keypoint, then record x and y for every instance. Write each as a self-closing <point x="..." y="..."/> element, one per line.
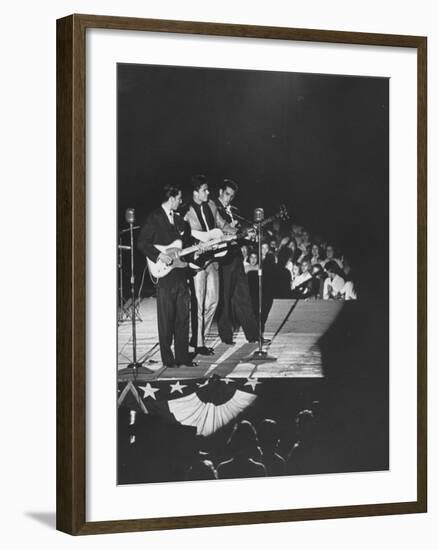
<point x="203" y="384"/>
<point x="253" y="382"/>
<point x="177" y="387"/>
<point x="149" y="391"/>
<point x="227" y="380"/>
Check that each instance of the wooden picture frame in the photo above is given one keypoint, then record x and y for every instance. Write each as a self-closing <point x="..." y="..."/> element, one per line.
<point x="71" y="273"/>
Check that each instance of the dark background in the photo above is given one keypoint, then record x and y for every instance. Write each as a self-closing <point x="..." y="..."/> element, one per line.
<point x="318" y="143"/>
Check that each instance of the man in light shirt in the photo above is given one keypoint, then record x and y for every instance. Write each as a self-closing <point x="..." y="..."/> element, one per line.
<point x="334" y="283"/>
<point x="203" y="216"/>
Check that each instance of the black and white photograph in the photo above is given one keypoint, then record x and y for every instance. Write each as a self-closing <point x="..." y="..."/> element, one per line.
<point x="253" y="273"/>
<point x="218" y="298"/>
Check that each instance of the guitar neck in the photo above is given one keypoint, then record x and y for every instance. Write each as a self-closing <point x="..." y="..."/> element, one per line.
<point x="208" y="244"/>
<point x="269" y="220"/>
<point x="189" y="250"/>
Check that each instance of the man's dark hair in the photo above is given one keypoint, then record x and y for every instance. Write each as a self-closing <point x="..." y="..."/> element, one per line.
<point x="197" y="181"/>
<point x="333" y="267"/>
<point x="170" y="191"/>
<point x="228" y="183"/>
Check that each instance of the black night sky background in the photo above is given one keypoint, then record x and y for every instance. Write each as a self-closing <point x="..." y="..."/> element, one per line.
<point x="317" y="143"/>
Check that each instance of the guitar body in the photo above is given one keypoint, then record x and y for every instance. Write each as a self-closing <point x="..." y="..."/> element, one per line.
<point x="159" y="269"/>
<point x="205" y="236"/>
<point x="217" y="250"/>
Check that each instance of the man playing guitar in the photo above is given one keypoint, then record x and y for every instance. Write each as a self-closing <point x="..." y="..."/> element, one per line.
<point x="234" y="291"/>
<point x="203" y="217"/>
<point x="163" y="227"/>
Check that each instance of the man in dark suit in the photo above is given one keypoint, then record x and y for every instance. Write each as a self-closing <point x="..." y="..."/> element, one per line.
<point x="162" y="227"/>
<point x="234" y="299"/>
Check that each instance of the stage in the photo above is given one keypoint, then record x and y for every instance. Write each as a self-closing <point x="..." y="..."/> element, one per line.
<point x="294" y="327"/>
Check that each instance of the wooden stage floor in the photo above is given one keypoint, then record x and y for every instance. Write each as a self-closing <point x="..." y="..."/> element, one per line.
<point x="295" y="326"/>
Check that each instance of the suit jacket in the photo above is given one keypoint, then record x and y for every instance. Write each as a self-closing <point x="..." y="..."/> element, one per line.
<point x="234" y="257"/>
<point x="159" y="230"/>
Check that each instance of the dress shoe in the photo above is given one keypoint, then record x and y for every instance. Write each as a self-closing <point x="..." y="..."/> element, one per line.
<point x="229" y="342"/>
<point x="203" y="350"/>
<point x="169" y="365"/>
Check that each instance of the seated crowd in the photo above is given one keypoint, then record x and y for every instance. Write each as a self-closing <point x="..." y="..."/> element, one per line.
<point x="252" y="452"/>
<point x="298" y="266"/>
<point x="152" y="450"/>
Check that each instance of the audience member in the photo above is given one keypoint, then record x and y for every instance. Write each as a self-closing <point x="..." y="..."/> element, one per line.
<point x="304" y="457"/>
<point x="245" y="453"/>
<point x="269" y="276"/>
<point x="304" y="250"/>
<point x="267" y="254"/>
<point x="293" y="252"/>
<point x="316" y="255"/>
<point x="283" y="252"/>
<point x="319" y="276"/>
<point x="334" y="283"/>
<point x="245" y="253"/>
<point x="251" y="270"/>
<point x="302" y="284"/>
<point x="348" y="292"/>
<point x="331" y="255"/>
<point x="269" y="440"/>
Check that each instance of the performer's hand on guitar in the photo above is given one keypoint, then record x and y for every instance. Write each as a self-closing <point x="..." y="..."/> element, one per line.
<point x="165" y="258"/>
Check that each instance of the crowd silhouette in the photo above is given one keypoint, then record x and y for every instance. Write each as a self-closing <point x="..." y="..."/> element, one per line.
<point x="153" y="450"/>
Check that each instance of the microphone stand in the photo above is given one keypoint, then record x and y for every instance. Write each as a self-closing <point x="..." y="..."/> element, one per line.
<point x="260" y="354"/>
<point x="122" y="314"/>
<point x="134" y="365"/>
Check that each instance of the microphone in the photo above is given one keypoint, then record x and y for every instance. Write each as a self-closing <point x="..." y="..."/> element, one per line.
<point x="259" y="215"/>
<point x="130" y="215"/>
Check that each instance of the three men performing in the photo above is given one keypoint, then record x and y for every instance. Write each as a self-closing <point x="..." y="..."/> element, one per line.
<point x="220" y="284"/>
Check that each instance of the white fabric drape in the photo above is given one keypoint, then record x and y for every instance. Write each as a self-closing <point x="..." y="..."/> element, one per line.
<point x="207" y="417"/>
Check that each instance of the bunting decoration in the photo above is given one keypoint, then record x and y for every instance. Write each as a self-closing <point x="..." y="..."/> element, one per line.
<point x="207" y="404"/>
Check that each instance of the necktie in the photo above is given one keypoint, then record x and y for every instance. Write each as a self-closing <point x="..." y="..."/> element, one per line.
<point x="204" y="217"/>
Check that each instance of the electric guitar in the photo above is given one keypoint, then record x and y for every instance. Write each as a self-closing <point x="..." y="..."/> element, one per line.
<point x="247" y="232"/>
<point x="211" y="240"/>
